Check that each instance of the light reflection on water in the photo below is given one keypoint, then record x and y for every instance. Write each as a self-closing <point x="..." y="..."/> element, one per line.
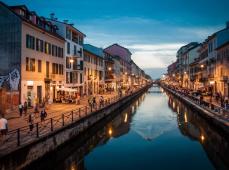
<point x="155" y="132"/>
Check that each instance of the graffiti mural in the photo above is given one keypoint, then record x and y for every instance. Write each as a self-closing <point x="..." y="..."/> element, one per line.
<point x="11" y="80"/>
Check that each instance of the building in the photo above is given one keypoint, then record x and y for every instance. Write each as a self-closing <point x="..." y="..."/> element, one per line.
<point x="73" y="54"/>
<point x="124" y="56"/>
<point x="31" y="47"/>
<point x="93" y="70"/>
<point x="222" y="64"/>
<point x="112" y="72"/>
<point x="182" y="63"/>
<point x="135" y="74"/>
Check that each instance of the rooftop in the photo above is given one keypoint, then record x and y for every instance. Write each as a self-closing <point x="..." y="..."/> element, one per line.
<point x="93" y="50"/>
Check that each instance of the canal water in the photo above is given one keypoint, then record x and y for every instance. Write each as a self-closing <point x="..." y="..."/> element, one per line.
<point x="156" y="131"/>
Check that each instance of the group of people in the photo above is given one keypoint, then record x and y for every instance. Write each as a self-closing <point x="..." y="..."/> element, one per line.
<point x="23" y="108"/>
<point x="219" y="98"/>
<point x="92" y="102"/>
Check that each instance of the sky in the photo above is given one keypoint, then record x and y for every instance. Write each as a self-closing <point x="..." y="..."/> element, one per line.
<point x="153" y="30"/>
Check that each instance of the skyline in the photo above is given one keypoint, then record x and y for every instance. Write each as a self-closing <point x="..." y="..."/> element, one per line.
<point x="153" y="31"/>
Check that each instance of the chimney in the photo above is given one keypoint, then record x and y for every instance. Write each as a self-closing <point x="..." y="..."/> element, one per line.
<point x="52" y="15"/>
<point x="65" y="21"/>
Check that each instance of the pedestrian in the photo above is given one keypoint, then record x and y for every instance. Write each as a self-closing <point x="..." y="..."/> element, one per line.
<point x="20" y="107"/>
<point x="25" y="107"/>
<point x="30" y="121"/>
<point x="101" y="101"/>
<point x="226" y="103"/>
<point x="43" y="115"/>
<point x="3" y="126"/>
<point x="94" y="102"/>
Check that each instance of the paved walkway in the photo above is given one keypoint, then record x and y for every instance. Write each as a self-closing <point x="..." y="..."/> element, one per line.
<point x="55" y="109"/>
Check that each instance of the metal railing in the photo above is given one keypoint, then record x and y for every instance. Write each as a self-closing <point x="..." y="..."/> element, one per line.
<point x="32" y="132"/>
<point x="209" y="106"/>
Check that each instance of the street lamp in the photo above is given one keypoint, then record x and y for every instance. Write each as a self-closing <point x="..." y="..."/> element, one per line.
<point x="71" y="61"/>
<point x="202" y="66"/>
<point x="109" y="68"/>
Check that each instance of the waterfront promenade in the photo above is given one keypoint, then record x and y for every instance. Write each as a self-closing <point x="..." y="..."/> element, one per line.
<point x="80" y="118"/>
<point x="53" y="110"/>
<point x="212" y="110"/>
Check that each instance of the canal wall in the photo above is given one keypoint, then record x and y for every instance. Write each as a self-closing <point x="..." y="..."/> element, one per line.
<point x="212" y="118"/>
<point x="25" y="155"/>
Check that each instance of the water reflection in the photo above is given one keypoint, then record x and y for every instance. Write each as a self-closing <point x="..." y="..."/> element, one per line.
<point x="156" y="131"/>
<point x="118" y="126"/>
<point x="212" y="139"/>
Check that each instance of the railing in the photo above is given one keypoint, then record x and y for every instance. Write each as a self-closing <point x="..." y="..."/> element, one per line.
<point x="211" y="107"/>
<point x="33" y="132"/>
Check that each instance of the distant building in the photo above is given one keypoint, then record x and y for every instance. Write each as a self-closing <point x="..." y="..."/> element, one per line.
<point x="222" y="64"/>
<point x="93" y="70"/>
<point x="124" y="56"/>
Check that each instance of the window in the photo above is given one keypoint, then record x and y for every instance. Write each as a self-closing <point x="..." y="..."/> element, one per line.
<point x="39" y="45"/>
<point x="68" y="47"/>
<point x="30" y="42"/>
<point x="30" y="64"/>
<point x="68" y="64"/>
<point x="59" y="52"/>
<point x="75" y="37"/>
<point x="57" y="69"/>
<point x="80" y="40"/>
<point x="27" y="64"/>
<point x="75" y="50"/>
<point x="60" y="69"/>
<point x="39" y="66"/>
<point x="62" y="52"/>
<point x="70" y="77"/>
<point x="53" y="50"/>
<point x="81" y="78"/>
<point x="47" y="48"/>
<point x="67" y="77"/>
<point x="68" y="33"/>
<point x="81" y="52"/>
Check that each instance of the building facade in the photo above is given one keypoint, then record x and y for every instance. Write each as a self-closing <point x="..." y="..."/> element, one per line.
<point x="93" y="70"/>
<point x="73" y="55"/>
<point x="124" y="56"/>
<point x="38" y="57"/>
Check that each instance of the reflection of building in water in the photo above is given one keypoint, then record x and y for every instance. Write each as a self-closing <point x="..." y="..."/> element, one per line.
<point x="121" y="123"/>
<point x="119" y="126"/>
<point x="214" y="141"/>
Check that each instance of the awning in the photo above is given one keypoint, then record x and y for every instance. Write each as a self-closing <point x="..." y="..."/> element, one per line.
<point x="67" y="89"/>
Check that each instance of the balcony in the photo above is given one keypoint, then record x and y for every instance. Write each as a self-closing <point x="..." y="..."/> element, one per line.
<point x="77" y="67"/>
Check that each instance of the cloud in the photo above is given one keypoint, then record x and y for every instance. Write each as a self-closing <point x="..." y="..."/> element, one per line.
<point x="154" y="55"/>
<point x="153" y="43"/>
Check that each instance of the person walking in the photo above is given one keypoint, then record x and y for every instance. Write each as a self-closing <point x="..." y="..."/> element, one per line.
<point x="3" y="127"/>
<point x="43" y="115"/>
<point x="30" y="121"/>
<point x="94" y="102"/>
<point x="20" y="107"/>
<point x="101" y="102"/>
<point x="25" y="107"/>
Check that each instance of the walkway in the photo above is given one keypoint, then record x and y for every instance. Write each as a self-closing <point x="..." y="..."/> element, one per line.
<point x="55" y="109"/>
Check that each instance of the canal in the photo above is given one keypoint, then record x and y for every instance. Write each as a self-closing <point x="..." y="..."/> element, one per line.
<point x="156" y="131"/>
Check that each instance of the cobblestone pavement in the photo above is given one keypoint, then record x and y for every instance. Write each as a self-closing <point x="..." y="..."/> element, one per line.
<point x="55" y="109"/>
